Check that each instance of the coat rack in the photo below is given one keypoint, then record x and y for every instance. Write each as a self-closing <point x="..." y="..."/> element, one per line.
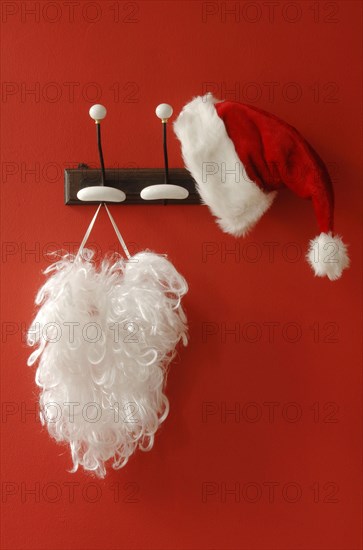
<point x="130" y="185"/>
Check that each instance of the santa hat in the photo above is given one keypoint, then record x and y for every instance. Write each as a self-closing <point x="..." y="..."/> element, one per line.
<point x="240" y="156"/>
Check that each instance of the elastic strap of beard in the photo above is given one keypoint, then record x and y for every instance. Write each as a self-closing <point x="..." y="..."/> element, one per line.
<point x="90" y="227"/>
<point x="117" y="231"/>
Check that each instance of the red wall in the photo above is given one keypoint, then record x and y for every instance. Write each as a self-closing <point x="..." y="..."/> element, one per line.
<point x="283" y="470"/>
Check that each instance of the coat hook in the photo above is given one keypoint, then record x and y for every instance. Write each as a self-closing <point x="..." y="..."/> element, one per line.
<point x="100" y="193"/>
<point x="165" y="190"/>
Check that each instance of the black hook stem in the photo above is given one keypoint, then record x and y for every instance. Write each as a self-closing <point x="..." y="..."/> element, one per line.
<point x="99" y="144"/>
<point x="166" y="164"/>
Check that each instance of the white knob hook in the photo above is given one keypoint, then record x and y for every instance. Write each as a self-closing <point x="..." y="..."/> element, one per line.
<point x="165" y="190"/>
<point x="100" y="193"/>
<point x="164" y="111"/>
<point x="97" y="112"/>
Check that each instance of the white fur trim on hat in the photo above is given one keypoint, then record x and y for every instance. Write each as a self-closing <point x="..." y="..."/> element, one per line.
<point x="210" y="156"/>
<point x="328" y="256"/>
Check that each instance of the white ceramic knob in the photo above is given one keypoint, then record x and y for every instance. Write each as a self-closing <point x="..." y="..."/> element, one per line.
<point x="101" y="193"/>
<point x="164" y="111"/>
<point x="97" y="112"/>
<point x="164" y="191"/>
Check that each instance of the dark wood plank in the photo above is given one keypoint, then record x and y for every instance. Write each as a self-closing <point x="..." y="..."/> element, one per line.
<point x="131" y="181"/>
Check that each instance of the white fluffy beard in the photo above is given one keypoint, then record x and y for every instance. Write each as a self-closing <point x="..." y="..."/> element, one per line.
<point x="104" y="339"/>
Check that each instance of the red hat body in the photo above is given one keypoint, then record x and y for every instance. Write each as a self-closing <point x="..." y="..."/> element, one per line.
<point x="275" y="154"/>
<point x="221" y="139"/>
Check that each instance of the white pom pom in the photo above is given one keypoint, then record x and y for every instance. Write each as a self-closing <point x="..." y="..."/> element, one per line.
<point x="105" y="338"/>
<point x="328" y="256"/>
